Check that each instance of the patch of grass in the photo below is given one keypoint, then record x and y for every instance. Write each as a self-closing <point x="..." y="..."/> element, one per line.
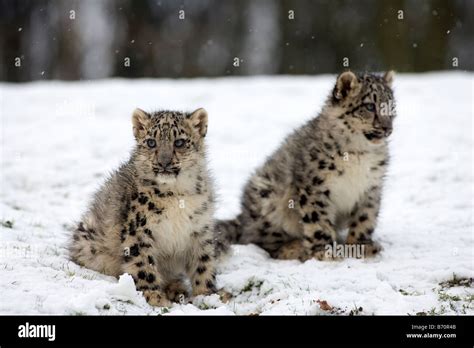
<point x="70" y="273"/>
<point x="252" y="284"/>
<point x="458" y="303"/>
<point x="7" y="223"/>
<point x="204" y="306"/>
<point x="446" y="297"/>
<point x="268" y="292"/>
<point x="356" y="310"/>
<point x="408" y="293"/>
<point x="455" y="281"/>
<point x="433" y="311"/>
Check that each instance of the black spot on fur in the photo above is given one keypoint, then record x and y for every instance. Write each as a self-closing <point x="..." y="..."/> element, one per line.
<point x="314" y="216"/>
<point x="134" y="250"/>
<point x="210" y="285"/>
<point x="151" y="261"/>
<point x="145" y="245"/>
<point x="123" y="234"/>
<point x="328" y="146"/>
<point x="204" y="258"/>
<point x="326" y="193"/>
<point x="318" y="235"/>
<point x="150" y="278"/>
<point x="201" y="269"/>
<point x="321" y="235"/>
<point x="317" y="181"/>
<point x="151" y="205"/>
<point x="306" y="219"/>
<point x="303" y="200"/>
<point x="332" y="166"/>
<point x="320" y="204"/>
<point x="148" y="232"/>
<point x="363" y="217"/>
<point x="141" y="275"/>
<point x="322" y="164"/>
<point x="142" y="199"/>
<point x="265" y="193"/>
<point x="132" y="229"/>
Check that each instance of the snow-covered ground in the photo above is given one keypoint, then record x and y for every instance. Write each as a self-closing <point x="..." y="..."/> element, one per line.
<point x="59" y="139"/>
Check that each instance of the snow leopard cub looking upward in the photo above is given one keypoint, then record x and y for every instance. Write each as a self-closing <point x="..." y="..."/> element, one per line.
<point x="325" y="177"/>
<point x="153" y="218"/>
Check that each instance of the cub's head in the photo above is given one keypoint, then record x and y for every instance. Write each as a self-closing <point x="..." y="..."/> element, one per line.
<point x="367" y="103"/>
<point x="168" y="142"/>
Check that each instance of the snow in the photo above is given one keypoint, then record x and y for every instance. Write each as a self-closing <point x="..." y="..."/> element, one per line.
<point x="59" y="140"/>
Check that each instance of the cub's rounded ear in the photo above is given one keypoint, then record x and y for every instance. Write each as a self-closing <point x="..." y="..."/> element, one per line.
<point x="388" y="77"/>
<point x="140" y="122"/>
<point x="198" y="119"/>
<point x="346" y="83"/>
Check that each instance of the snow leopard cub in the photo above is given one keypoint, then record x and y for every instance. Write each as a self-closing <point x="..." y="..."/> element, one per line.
<point x="325" y="177"/>
<point x="153" y="218"/>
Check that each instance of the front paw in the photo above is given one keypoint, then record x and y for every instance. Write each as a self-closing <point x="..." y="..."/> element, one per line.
<point x="177" y="292"/>
<point x="156" y="298"/>
<point x="371" y="249"/>
<point x="205" y="288"/>
<point x="291" y="251"/>
<point x="324" y="255"/>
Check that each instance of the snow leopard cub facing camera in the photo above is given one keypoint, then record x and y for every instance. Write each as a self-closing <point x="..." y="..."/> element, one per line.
<point x="153" y="218"/>
<point x="327" y="176"/>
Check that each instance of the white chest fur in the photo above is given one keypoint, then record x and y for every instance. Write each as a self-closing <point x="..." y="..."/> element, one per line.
<point x="347" y="189"/>
<point x="173" y="229"/>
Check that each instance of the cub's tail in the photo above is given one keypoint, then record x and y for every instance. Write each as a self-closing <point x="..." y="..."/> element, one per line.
<point x="227" y="232"/>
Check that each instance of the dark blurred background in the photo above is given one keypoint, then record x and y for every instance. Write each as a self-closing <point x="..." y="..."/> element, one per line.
<point x="90" y="39"/>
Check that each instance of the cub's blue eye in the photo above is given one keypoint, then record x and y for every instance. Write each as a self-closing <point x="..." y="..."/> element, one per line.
<point x="151" y="143"/>
<point x="370" y="107"/>
<point x="179" y="142"/>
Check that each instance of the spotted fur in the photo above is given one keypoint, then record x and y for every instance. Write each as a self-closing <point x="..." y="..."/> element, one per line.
<point x="327" y="176"/>
<point x="153" y="218"/>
